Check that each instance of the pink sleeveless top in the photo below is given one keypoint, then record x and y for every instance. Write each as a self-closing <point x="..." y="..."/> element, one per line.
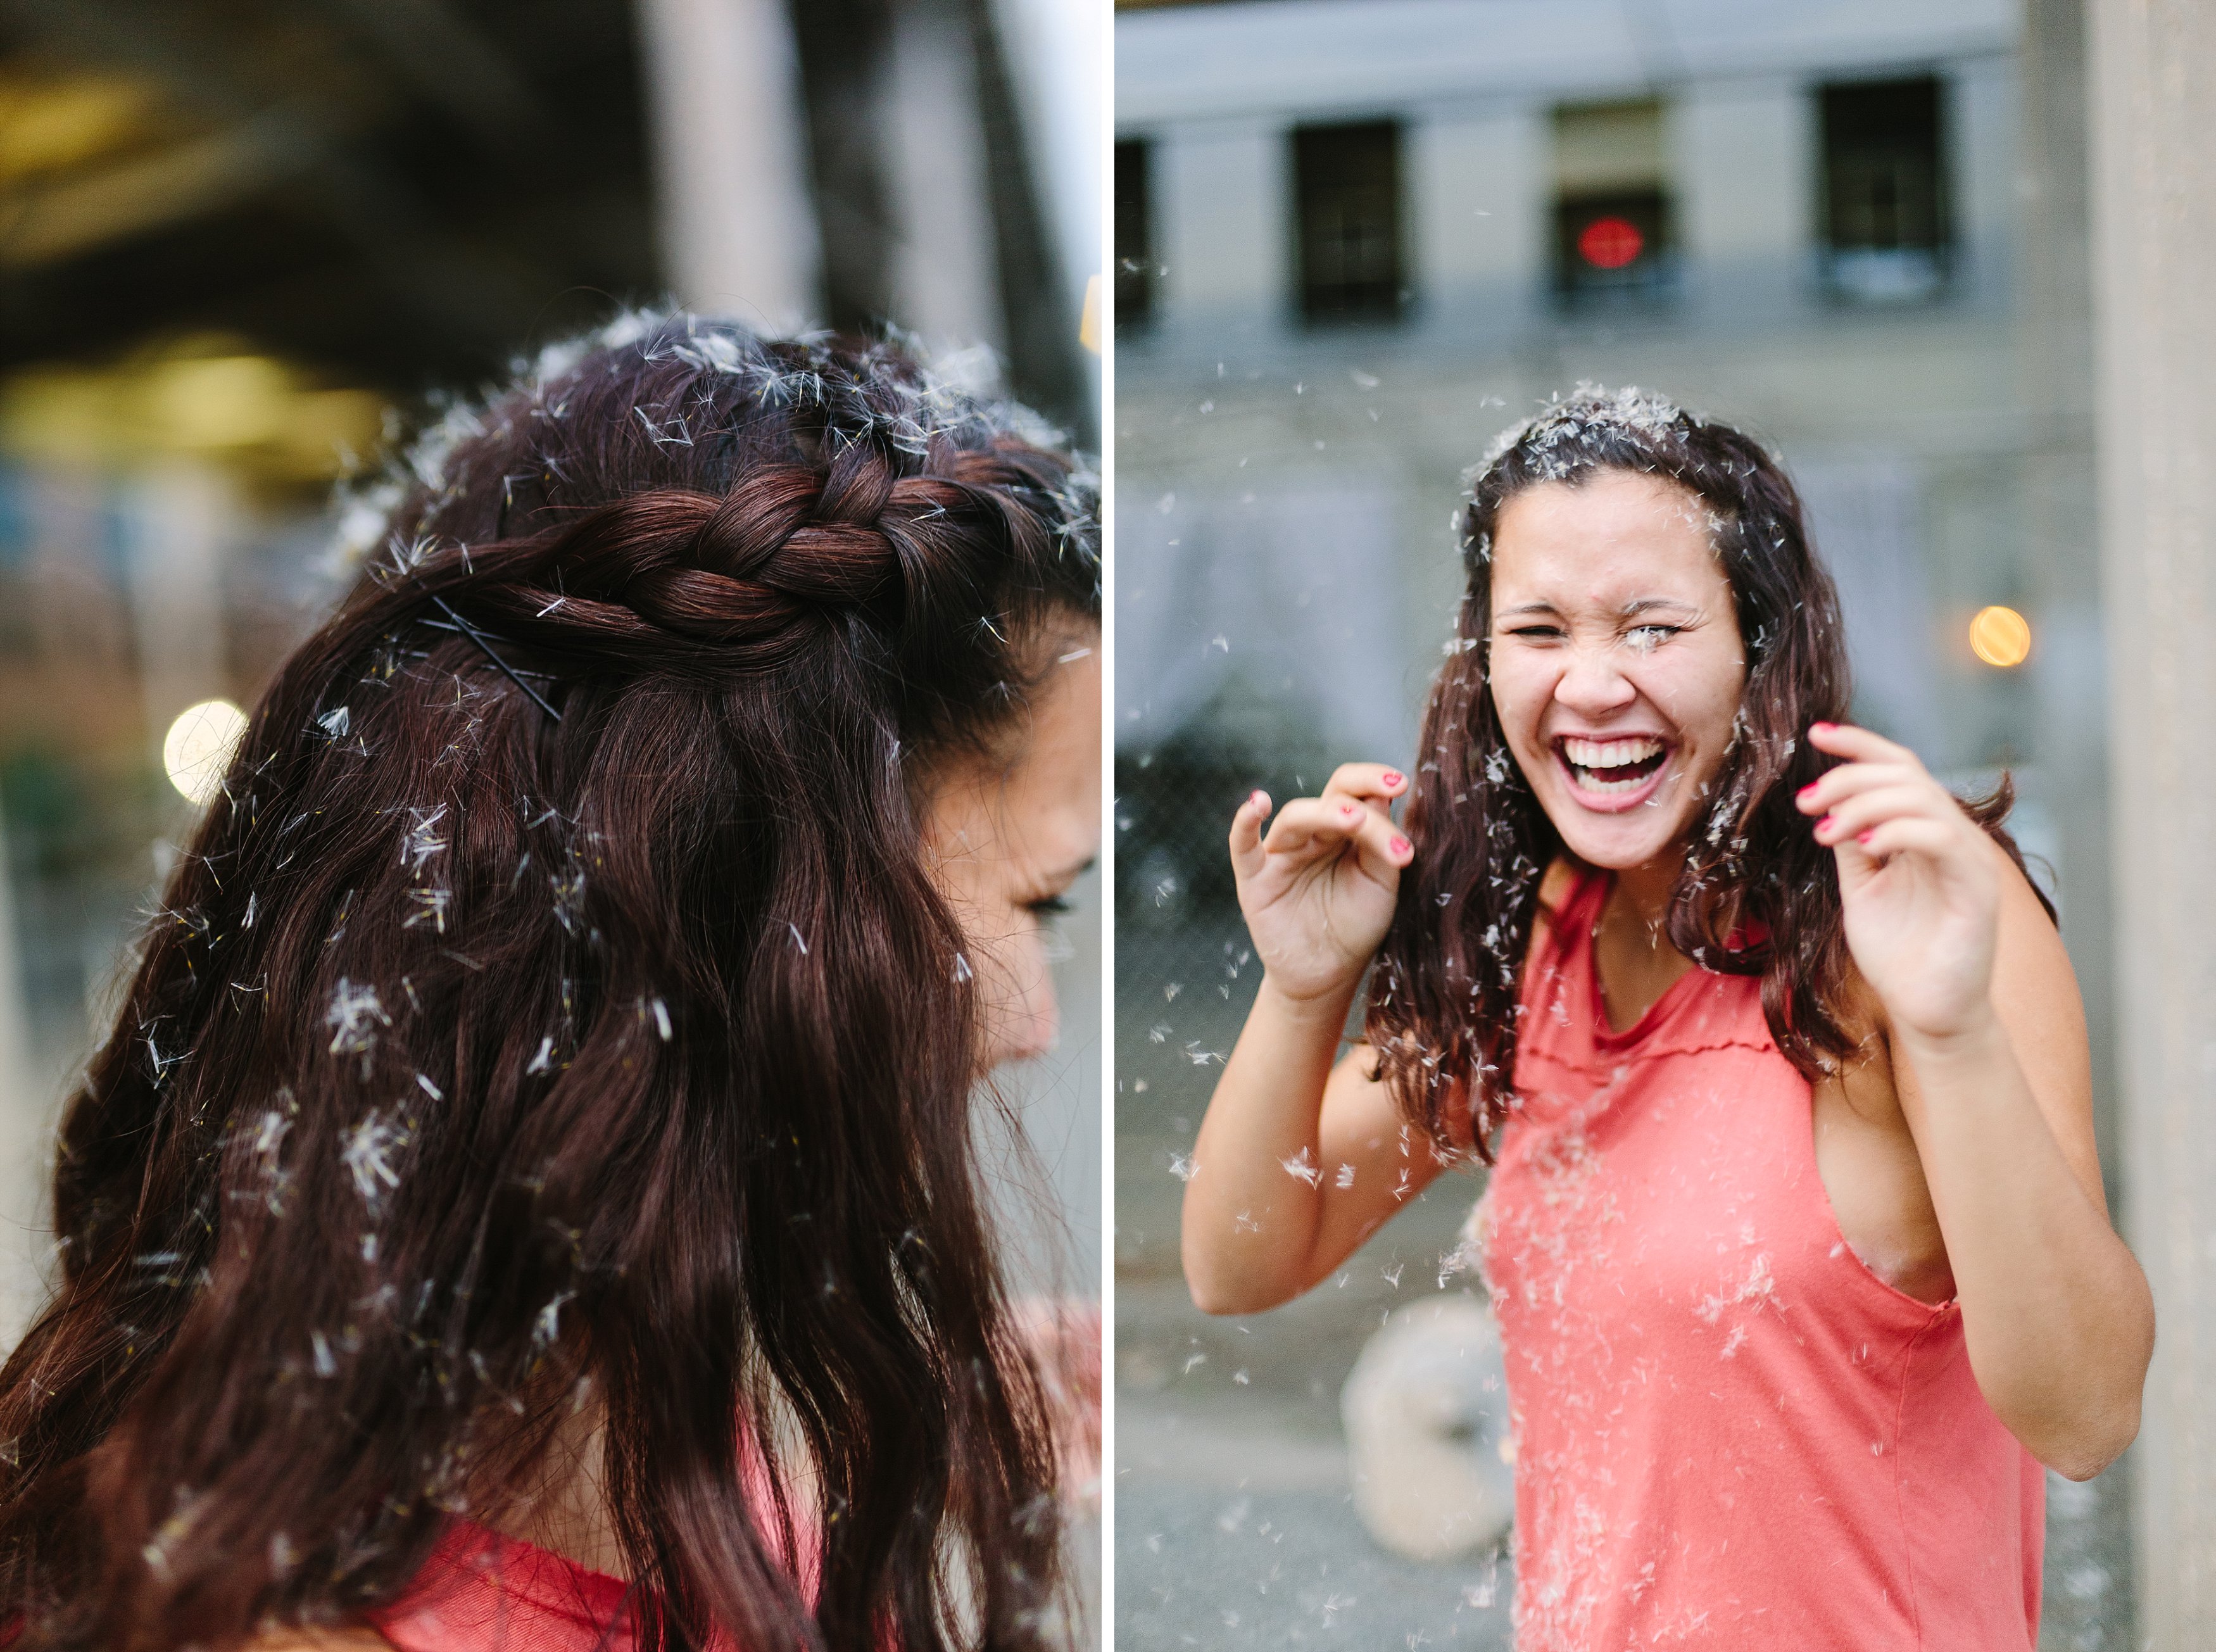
<point x="1729" y="1432"/>
<point x="481" y="1592"/>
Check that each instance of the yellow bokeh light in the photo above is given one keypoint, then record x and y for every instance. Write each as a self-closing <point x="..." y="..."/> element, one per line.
<point x="2000" y="636"/>
<point x="1088" y="323"/>
<point x="197" y="750"/>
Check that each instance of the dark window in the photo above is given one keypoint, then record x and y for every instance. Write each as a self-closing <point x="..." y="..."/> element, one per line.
<point x="1135" y="263"/>
<point x="1612" y="229"/>
<point x="1884" y="210"/>
<point x="1346" y="188"/>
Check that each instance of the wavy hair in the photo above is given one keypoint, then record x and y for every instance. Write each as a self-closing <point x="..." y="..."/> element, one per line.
<point x="1757" y="895"/>
<point x="555" y="1005"/>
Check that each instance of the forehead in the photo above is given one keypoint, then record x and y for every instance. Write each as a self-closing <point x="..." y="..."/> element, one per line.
<point x="1614" y="538"/>
<point x="1035" y="802"/>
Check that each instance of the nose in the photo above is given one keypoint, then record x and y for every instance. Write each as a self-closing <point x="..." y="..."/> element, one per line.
<point x="1032" y="1022"/>
<point x="1592" y="686"/>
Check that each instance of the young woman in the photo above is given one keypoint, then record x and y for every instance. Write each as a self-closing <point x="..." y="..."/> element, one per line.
<point x="1795" y="1229"/>
<point x="527" y="1198"/>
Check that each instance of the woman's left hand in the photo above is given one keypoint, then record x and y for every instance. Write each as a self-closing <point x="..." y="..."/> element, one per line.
<point x="1917" y="878"/>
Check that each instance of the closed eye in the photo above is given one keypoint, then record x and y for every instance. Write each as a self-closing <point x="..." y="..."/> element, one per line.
<point x="1051" y="906"/>
<point x="1647" y="637"/>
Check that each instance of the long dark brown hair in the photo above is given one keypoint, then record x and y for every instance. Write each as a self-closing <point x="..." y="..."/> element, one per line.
<point x="556" y="1007"/>
<point x="1757" y="896"/>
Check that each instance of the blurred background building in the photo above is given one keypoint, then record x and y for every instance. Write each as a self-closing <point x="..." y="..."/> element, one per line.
<point x="246" y="245"/>
<point x="1355" y="238"/>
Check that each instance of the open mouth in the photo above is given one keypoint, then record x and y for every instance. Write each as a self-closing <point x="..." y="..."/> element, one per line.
<point x="1612" y="768"/>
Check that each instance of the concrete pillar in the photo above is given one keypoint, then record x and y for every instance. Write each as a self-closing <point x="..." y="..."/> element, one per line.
<point x="738" y="232"/>
<point x="946" y="282"/>
<point x="1742" y="157"/>
<point x="2153" y="106"/>
<point x="184" y="523"/>
<point x="1223" y="215"/>
<point x="1477" y="212"/>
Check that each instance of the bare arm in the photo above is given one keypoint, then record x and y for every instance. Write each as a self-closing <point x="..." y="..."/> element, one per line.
<point x="1987" y="1038"/>
<point x="1297" y="1162"/>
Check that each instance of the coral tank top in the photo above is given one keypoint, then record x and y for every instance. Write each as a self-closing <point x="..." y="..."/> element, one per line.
<point x="481" y="1592"/>
<point x="1729" y="1432"/>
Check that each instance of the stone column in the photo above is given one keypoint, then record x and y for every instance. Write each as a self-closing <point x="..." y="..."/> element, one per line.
<point x="738" y="230"/>
<point x="2153" y="104"/>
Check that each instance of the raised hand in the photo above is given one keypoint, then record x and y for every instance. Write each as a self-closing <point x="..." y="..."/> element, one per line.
<point x="1919" y="880"/>
<point x="1318" y="890"/>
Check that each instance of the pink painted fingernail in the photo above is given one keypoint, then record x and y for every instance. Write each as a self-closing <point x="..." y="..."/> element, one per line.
<point x="1259" y="800"/>
<point x="1399" y="846"/>
<point x="1863" y="838"/>
<point x="1393" y="777"/>
<point x="1824" y="823"/>
<point x="1348" y="809"/>
<point x="1802" y="794"/>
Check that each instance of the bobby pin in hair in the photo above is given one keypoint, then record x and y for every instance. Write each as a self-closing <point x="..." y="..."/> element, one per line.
<point x="506" y="670"/>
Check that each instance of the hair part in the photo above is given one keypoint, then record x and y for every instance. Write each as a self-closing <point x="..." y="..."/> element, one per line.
<point x="556" y="1004"/>
<point x="1757" y="895"/>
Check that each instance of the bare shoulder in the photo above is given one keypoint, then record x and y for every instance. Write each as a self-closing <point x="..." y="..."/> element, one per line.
<point x="305" y="1638"/>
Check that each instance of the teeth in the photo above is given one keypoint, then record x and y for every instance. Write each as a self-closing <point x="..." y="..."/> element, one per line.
<point x="1610" y="754"/>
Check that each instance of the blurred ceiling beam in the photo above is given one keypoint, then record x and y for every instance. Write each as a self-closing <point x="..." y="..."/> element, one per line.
<point x="364" y="204"/>
<point x="447" y="59"/>
<point x="89" y="207"/>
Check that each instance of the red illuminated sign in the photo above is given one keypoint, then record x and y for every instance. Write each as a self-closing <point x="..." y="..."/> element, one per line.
<point x="1610" y="242"/>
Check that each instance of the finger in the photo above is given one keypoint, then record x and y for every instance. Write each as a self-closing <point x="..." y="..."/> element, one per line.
<point x="1859" y="745"/>
<point x="1834" y="785"/>
<point x="1372" y="784"/>
<point x="1309" y="825"/>
<point x="1246" y="855"/>
<point x="1308" y="828"/>
<point x="1859" y="814"/>
<point x="1907" y="835"/>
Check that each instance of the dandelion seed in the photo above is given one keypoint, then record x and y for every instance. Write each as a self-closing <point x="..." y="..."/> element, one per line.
<point x="271" y="1134"/>
<point x="251" y="900"/>
<point x="797" y="940"/>
<point x="545" y="1058"/>
<point x="367" y="1155"/>
<point x="421" y="840"/>
<point x="1302" y="1167"/>
<point x="548" y="1326"/>
<point x="337" y="722"/>
<point x="1240" y="1377"/>
<point x="961" y="968"/>
<point x="550" y="607"/>
<point x="369" y="1247"/>
<point x="428" y="1089"/>
<point x="354" y="1008"/>
<point x="1346" y="1177"/>
<point x="430" y="907"/>
<point x="661" y="1019"/>
<point x="325" y="1364"/>
<point x="1184" y="1167"/>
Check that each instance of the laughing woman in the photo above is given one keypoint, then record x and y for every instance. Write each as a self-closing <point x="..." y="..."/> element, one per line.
<point x="1795" y="1228"/>
<point x="528" y="1200"/>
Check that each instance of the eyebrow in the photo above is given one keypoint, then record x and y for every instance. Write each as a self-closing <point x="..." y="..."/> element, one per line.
<point x="1630" y="610"/>
<point x="1070" y="874"/>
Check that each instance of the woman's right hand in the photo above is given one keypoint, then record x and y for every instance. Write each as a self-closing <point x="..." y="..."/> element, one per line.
<point x="1318" y="889"/>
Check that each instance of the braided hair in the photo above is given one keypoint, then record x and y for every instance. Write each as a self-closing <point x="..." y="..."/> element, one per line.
<point x="1757" y="894"/>
<point x="555" y="1007"/>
